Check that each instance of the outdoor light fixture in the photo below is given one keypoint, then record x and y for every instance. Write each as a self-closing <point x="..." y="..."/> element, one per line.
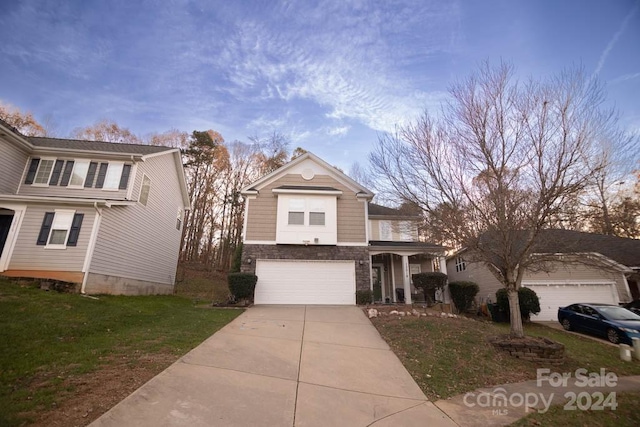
<point x="361" y="262"/>
<point x="248" y="260"/>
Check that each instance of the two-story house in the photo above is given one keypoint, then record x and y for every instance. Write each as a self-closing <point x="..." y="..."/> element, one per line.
<point x="105" y="216"/>
<point x="312" y="236"/>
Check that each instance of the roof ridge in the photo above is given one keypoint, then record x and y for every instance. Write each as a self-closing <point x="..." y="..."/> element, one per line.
<point x="100" y="142"/>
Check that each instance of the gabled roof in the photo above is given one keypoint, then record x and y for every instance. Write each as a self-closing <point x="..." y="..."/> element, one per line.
<point x="98" y="146"/>
<point x="383" y="211"/>
<point x="622" y="250"/>
<point x="360" y="190"/>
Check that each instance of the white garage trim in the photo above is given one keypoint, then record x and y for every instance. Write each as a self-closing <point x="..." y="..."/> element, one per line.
<point x="560" y="293"/>
<point x="305" y="282"/>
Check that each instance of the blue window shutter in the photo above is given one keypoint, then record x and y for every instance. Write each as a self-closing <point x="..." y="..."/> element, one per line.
<point x="124" y="178"/>
<point x="46" y="228"/>
<point x="33" y="168"/>
<point x="66" y="175"/>
<point x="75" y="229"/>
<point x="55" y="176"/>
<point x="102" y="173"/>
<point x="91" y="174"/>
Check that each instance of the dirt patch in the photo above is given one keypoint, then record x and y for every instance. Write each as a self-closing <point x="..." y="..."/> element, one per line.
<point x="90" y="395"/>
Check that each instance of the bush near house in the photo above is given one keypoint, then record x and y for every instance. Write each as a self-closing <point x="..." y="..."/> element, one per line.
<point x="463" y="294"/>
<point x="364" y="297"/>
<point x="242" y="285"/>
<point x="429" y="283"/>
<point x="529" y="302"/>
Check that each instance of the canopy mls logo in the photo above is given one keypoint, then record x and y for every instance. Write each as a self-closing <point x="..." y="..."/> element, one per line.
<point x="500" y="401"/>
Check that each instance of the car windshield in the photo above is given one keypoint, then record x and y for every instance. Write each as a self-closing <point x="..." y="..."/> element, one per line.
<point x="618" y="313"/>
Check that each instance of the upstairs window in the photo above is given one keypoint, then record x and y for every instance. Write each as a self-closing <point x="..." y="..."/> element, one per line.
<point x="179" y="219"/>
<point x="296" y="212"/>
<point x="112" y="178"/>
<point x="461" y="265"/>
<point x="385" y="230"/>
<point x="145" y="188"/>
<point x="44" y="170"/>
<point x="79" y="174"/>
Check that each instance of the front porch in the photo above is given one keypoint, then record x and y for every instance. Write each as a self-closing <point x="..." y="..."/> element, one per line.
<point x="394" y="263"/>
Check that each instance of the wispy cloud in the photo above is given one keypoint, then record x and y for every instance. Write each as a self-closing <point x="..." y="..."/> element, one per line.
<point x="624" y="78"/>
<point x="614" y="39"/>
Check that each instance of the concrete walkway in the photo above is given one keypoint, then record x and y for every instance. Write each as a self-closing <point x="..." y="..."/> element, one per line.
<point x="284" y="366"/>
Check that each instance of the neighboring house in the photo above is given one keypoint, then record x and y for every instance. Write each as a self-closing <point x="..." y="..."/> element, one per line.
<point x="581" y="267"/>
<point x="312" y="236"/>
<point x="105" y="216"/>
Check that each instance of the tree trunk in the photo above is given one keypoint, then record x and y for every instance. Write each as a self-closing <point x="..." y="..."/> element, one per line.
<point x="517" y="331"/>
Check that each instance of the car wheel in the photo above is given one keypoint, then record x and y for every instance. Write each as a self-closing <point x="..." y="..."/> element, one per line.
<point x="566" y="324"/>
<point x="613" y="336"/>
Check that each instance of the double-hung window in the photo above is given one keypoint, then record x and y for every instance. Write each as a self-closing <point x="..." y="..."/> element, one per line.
<point x="145" y="188"/>
<point x="79" y="174"/>
<point x="45" y="168"/>
<point x="60" y="229"/>
<point x="112" y="178"/>
<point x="316" y="212"/>
<point x="461" y="265"/>
<point x="296" y="212"/>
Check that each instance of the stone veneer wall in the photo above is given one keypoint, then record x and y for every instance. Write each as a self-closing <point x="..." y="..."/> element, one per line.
<point x="311" y="252"/>
<point x="540" y="350"/>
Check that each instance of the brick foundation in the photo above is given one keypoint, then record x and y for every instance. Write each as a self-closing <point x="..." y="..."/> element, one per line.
<point x="311" y="252"/>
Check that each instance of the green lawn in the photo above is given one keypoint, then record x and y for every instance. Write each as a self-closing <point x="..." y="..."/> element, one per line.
<point x="46" y="338"/>
<point x="448" y="357"/>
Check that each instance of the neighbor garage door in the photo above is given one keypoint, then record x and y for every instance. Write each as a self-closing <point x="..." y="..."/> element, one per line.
<point x="553" y="296"/>
<point x="305" y="282"/>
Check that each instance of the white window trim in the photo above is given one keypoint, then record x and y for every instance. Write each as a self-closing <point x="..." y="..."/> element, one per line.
<point x="66" y="237"/>
<point x="460" y="264"/>
<point x="109" y="168"/>
<point x="141" y="187"/>
<point x="34" y="183"/>
<point x="75" y="164"/>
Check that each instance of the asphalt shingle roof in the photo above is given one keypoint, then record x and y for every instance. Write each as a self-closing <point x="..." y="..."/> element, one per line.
<point x="113" y="147"/>
<point x="385" y="211"/>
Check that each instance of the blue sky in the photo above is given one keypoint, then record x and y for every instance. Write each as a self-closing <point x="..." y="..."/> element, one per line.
<point x="329" y="74"/>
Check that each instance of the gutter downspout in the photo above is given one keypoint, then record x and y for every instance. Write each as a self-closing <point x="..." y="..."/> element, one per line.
<point x="91" y="247"/>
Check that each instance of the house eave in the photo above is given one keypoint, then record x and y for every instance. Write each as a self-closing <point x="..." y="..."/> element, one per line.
<point x="305" y="191"/>
<point x="65" y="200"/>
<point x="92" y="153"/>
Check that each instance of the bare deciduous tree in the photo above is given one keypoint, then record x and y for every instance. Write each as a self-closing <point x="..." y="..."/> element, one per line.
<point x="107" y="131"/>
<point x="501" y="160"/>
<point x="25" y="123"/>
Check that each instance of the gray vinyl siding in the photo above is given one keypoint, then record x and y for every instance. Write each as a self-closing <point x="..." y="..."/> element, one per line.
<point x="12" y="163"/>
<point x="262" y="210"/>
<point x="478" y="273"/>
<point x="141" y="242"/>
<point x="85" y="193"/>
<point x="29" y="256"/>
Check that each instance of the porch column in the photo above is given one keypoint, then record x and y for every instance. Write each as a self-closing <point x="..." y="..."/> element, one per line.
<point x="370" y="275"/>
<point x="406" y="279"/>
<point x="446" y="297"/>
<point x="393" y="278"/>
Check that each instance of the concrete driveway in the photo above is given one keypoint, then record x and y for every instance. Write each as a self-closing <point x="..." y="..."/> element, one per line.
<point x="283" y="366"/>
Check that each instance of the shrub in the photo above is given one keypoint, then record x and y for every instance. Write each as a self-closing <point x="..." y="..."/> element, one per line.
<point x="462" y="294"/>
<point x="429" y="283"/>
<point x="364" y="297"/>
<point x="529" y="302"/>
<point x="242" y="285"/>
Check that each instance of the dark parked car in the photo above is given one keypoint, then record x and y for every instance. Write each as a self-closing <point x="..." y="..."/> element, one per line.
<point x="613" y="322"/>
<point x="633" y="306"/>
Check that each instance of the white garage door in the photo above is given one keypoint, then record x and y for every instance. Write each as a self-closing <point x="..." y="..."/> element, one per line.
<point x="305" y="282"/>
<point x="553" y="296"/>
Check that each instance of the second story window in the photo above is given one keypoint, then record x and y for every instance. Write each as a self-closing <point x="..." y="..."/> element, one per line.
<point x="79" y="174"/>
<point x="112" y="178"/>
<point x="385" y="230"/>
<point x="44" y="169"/>
<point x="461" y="265"/>
<point x="316" y="211"/>
<point x="296" y="212"/>
<point x="145" y="188"/>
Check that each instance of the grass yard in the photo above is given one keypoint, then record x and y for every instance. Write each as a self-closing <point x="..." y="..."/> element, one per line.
<point x="448" y="356"/>
<point x="65" y="359"/>
<point x="625" y="415"/>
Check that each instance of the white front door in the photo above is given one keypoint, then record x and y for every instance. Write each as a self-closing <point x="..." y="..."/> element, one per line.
<point x="305" y="282"/>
